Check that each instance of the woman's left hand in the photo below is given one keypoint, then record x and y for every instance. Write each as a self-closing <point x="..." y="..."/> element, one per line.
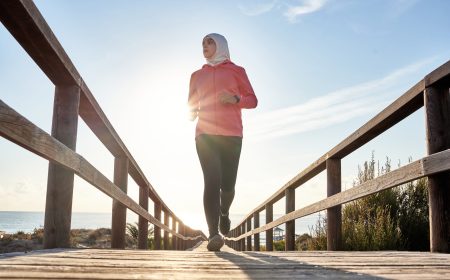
<point x="228" y="98"/>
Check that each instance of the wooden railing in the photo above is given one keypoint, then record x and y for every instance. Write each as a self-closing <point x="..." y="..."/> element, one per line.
<point x="72" y="99"/>
<point x="431" y="92"/>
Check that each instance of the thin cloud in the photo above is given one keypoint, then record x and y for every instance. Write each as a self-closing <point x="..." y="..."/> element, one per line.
<point x="399" y="7"/>
<point x="306" y="7"/>
<point x="332" y="108"/>
<point x="257" y="9"/>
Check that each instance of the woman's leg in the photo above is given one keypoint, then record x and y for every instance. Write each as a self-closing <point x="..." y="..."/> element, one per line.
<point x="209" y="157"/>
<point x="230" y="151"/>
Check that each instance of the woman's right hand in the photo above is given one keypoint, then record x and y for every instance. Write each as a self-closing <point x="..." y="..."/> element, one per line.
<point x="193" y="115"/>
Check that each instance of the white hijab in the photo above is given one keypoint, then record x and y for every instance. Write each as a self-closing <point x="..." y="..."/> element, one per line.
<point x="222" y="53"/>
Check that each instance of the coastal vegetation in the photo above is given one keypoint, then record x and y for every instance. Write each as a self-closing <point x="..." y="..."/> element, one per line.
<point x="394" y="219"/>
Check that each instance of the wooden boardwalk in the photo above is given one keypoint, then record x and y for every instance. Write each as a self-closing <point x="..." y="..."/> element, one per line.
<point x="227" y="264"/>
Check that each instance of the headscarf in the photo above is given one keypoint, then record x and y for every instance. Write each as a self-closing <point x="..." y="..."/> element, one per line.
<point x="222" y="53"/>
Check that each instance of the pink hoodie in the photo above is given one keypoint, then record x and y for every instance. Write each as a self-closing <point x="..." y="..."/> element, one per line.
<point x="206" y="86"/>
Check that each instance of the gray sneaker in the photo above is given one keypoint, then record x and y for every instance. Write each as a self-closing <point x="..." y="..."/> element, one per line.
<point x="215" y="243"/>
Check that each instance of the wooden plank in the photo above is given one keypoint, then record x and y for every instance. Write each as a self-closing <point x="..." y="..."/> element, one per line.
<point x="440" y="75"/>
<point x="437" y="115"/>
<point x="58" y="206"/>
<point x="404" y="106"/>
<point x="334" y="215"/>
<point x="119" y="211"/>
<point x="227" y="264"/>
<point x="429" y="165"/>
<point x="290" y="225"/>
<point x="21" y="131"/>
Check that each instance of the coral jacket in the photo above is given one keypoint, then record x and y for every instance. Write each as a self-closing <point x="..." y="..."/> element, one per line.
<point x="206" y="87"/>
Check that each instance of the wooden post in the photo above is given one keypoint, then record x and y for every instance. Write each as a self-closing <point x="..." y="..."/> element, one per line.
<point x="255" y="226"/>
<point x="290" y="226"/>
<point x="58" y="206"/>
<point x="249" y="238"/>
<point x="334" y="214"/>
<point x="143" y="223"/>
<point x="437" y="115"/>
<point x="119" y="211"/>
<point x="166" y="233"/>
<point x="157" y="231"/>
<point x="174" y="237"/>
<point x="181" y="231"/>
<point x="238" y="243"/>
<point x="243" y="239"/>
<point x="269" y="232"/>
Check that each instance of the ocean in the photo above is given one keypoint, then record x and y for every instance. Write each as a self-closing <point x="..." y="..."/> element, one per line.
<point x="14" y="221"/>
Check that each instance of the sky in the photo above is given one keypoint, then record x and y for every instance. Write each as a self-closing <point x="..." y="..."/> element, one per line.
<point x="320" y="70"/>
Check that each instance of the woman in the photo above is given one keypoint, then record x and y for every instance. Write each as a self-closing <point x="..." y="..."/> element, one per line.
<point x="217" y="93"/>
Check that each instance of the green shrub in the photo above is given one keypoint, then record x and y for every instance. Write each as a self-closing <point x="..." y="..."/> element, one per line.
<point x="394" y="219"/>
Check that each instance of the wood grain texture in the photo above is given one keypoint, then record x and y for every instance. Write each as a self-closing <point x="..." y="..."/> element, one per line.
<point x="256" y="245"/>
<point x="269" y="232"/>
<point x="58" y="205"/>
<point x="249" y="238"/>
<point x="334" y="214"/>
<point x="119" y="211"/>
<point x="143" y="223"/>
<point x="227" y="264"/>
<point x="290" y="225"/>
<point x="437" y="116"/>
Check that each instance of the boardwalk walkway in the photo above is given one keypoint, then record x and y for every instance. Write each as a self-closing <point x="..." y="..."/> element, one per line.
<point x="228" y="264"/>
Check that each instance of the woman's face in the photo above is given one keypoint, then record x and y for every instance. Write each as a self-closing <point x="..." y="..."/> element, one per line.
<point x="209" y="47"/>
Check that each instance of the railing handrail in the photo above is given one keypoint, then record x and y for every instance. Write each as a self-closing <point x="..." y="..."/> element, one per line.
<point x="426" y="166"/>
<point x="29" y="28"/>
<point x="398" y="110"/>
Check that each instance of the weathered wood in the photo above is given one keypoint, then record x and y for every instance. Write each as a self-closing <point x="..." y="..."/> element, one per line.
<point x="256" y="225"/>
<point x="243" y="239"/>
<point x="249" y="238"/>
<point x="143" y="223"/>
<point x="334" y="215"/>
<point x="290" y="225"/>
<point x="21" y="131"/>
<point x="119" y="211"/>
<point x="58" y="206"/>
<point x="166" y="234"/>
<point x="227" y="264"/>
<point x="429" y="165"/>
<point x="157" y="231"/>
<point x="437" y="115"/>
<point x="174" y="237"/>
<point x="439" y="77"/>
<point x="269" y="232"/>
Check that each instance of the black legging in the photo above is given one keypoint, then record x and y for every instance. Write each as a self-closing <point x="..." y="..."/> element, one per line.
<point x="219" y="158"/>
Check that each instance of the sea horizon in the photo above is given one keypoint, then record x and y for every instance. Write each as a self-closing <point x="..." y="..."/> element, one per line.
<point x="26" y="221"/>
